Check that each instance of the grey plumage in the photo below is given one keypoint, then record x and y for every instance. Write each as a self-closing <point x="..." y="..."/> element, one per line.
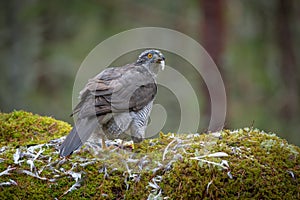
<point x="116" y="103"/>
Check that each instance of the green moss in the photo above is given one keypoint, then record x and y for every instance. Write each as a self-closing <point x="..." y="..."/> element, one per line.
<point x="260" y="165"/>
<point x="24" y="128"/>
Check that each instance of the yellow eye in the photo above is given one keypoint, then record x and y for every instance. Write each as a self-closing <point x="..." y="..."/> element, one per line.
<point x="149" y="55"/>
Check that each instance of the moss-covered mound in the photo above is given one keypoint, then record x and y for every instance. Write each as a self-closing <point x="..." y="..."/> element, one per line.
<point x="25" y="128"/>
<point x="241" y="164"/>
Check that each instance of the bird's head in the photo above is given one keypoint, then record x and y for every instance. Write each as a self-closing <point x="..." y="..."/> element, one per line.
<point x="153" y="59"/>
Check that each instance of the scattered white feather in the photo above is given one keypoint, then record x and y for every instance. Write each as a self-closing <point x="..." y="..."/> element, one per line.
<point x="154" y="184"/>
<point x="127" y="168"/>
<point x="104" y="170"/>
<point x="17" y="156"/>
<point x="3" y="149"/>
<point x="159" y="166"/>
<point x="193" y="135"/>
<point x="136" y="177"/>
<point x="87" y="163"/>
<point x="291" y="173"/>
<point x="143" y="162"/>
<point x="130" y="160"/>
<point x="236" y="150"/>
<point x="126" y="183"/>
<point x="207" y="187"/>
<point x="75" y="175"/>
<point x="222" y="165"/>
<point x="75" y="186"/>
<point x="31" y="164"/>
<point x="216" y="134"/>
<point x="229" y="175"/>
<point x="6" y="172"/>
<point x="8" y="183"/>
<point x="155" y="196"/>
<point x="225" y="163"/>
<point x="166" y="149"/>
<point x="38" y="154"/>
<point x="217" y="154"/>
<point x="29" y="173"/>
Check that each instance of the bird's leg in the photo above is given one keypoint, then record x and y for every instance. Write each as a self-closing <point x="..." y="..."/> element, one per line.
<point x="122" y="144"/>
<point x="104" y="147"/>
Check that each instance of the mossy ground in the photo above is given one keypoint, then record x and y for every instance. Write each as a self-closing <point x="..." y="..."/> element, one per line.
<point x="241" y="164"/>
<point x="25" y="128"/>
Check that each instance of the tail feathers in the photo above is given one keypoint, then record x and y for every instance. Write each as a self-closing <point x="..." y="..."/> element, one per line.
<point x="78" y="135"/>
<point x="71" y="143"/>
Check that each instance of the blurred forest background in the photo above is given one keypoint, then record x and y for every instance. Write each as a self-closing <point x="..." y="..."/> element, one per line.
<point x="255" y="44"/>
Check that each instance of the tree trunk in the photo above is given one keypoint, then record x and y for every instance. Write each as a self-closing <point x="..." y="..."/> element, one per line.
<point x="212" y="32"/>
<point x="288" y="65"/>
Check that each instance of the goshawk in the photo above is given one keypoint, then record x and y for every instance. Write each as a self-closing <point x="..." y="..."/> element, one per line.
<point x="116" y="103"/>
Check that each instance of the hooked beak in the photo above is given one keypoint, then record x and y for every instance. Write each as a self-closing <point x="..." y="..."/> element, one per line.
<point x="161" y="61"/>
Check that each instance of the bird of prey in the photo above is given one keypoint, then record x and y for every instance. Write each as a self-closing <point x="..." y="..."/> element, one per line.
<point x="116" y="103"/>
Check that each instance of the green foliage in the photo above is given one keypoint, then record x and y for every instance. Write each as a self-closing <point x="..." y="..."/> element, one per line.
<point x="240" y="164"/>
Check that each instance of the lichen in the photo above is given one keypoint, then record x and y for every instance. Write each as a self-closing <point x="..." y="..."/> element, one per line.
<point x="233" y="164"/>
